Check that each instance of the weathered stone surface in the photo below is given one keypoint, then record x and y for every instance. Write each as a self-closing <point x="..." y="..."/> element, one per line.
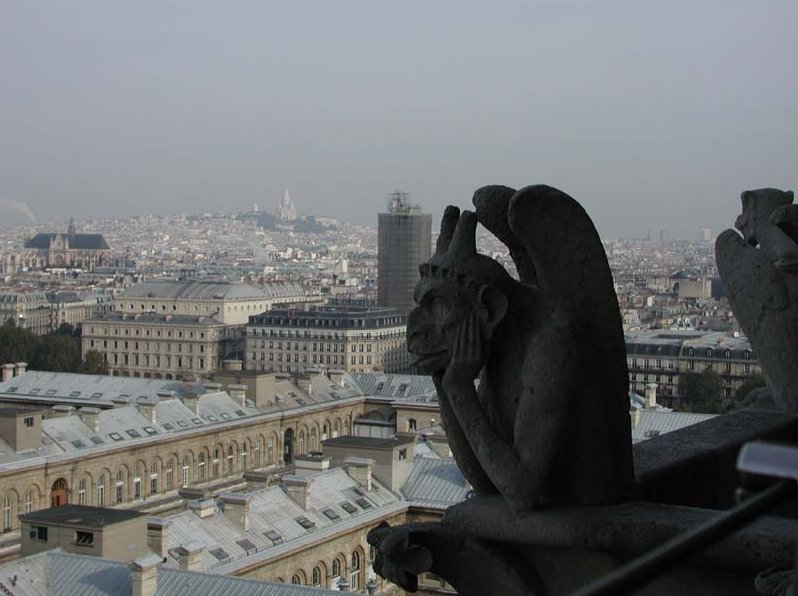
<point x="549" y="424"/>
<point x="760" y="273"/>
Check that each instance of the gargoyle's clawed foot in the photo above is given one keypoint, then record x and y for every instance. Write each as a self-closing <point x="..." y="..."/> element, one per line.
<point x="397" y="559"/>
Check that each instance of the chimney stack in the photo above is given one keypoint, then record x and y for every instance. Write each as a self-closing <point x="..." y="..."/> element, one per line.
<point x="213" y="387"/>
<point x="298" y="488"/>
<point x="634" y="414"/>
<point x="236" y="508"/>
<point x="651" y="395"/>
<point x="157" y="535"/>
<point x="8" y="372"/>
<point x="144" y="575"/>
<point x="359" y="470"/>
<point x="191" y="401"/>
<point x="310" y="464"/>
<point x="147" y="407"/>
<point x="91" y="418"/>
<point x="238" y="393"/>
<point x="61" y="410"/>
<point x="22" y="368"/>
<point x="189" y="556"/>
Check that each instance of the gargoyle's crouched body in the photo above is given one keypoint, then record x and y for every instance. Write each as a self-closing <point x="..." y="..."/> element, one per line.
<point x="549" y="423"/>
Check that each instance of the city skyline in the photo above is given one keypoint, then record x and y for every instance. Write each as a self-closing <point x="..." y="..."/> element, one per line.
<point x="653" y="117"/>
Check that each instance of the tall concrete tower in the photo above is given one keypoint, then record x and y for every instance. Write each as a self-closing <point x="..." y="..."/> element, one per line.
<point x="404" y="237"/>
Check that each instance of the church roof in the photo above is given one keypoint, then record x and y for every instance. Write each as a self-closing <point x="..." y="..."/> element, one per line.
<point x="76" y="241"/>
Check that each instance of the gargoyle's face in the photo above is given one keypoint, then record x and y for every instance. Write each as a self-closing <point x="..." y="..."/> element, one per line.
<point x="432" y="325"/>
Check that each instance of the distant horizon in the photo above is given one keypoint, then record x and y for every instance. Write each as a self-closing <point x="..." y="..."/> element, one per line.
<point x="652" y="115"/>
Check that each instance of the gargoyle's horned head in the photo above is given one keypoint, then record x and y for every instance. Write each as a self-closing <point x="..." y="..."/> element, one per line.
<point x="456" y="282"/>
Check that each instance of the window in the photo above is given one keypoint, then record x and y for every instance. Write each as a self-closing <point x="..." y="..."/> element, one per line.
<point x="244" y="457"/>
<point x="354" y="572"/>
<point x="201" y="466"/>
<point x="6" y="514"/>
<point x="336" y="569"/>
<point x="315" y="577"/>
<point x="215" y="463"/>
<point x="101" y="492"/>
<point x="136" y="488"/>
<point x="230" y="462"/>
<point x="186" y="470"/>
<point x="40" y="533"/>
<point x="411" y="424"/>
<point x="82" y="492"/>
<point x="120" y="486"/>
<point x="257" y="457"/>
<point x="270" y="450"/>
<point x="84" y="538"/>
<point x="402" y="454"/>
<point x="153" y="479"/>
<point x="170" y="474"/>
<point x="296" y="580"/>
<point x="29" y="421"/>
<point x="28" y="502"/>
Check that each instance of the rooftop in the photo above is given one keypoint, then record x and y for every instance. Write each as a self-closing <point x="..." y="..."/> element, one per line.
<point x="80" y="515"/>
<point x="174" y="289"/>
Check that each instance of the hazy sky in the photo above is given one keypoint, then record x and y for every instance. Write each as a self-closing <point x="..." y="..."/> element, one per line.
<point x="653" y="114"/>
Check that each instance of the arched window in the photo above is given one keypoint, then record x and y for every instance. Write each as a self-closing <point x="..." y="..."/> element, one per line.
<point x="244" y="456"/>
<point x="354" y="572"/>
<point x="29" y="501"/>
<point x="215" y="462"/>
<point x="270" y="450"/>
<point x="315" y="578"/>
<point x="120" y="486"/>
<point x="257" y="456"/>
<point x="313" y="445"/>
<point x="200" y="465"/>
<point x="411" y="424"/>
<point x="230" y="461"/>
<point x="101" y="492"/>
<point x="336" y="569"/>
<point x="296" y="579"/>
<point x="153" y="478"/>
<point x="301" y="442"/>
<point x="170" y="474"/>
<point x="186" y="469"/>
<point x="7" y="513"/>
<point x="82" y="492"/>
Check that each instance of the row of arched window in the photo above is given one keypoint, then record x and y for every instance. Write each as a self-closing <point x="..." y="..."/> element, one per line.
<point x="323" y="576"/>
<point x="121" y="484"/>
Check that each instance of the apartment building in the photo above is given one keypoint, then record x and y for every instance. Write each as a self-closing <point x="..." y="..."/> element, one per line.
<point x="662" y="356"/>
<point x="344" y="337"/>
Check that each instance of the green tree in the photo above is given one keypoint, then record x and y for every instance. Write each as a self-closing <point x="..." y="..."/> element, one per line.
<point x="94" y="364"/>
<point x="755" y="381"/>
<point x="701" y="392"/>
<point x="17" y="344"/>
<point x="59" y="353"/>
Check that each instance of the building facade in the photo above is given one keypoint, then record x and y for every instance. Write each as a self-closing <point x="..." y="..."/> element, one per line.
<point x="662" y="356"/>
<point x="350" y="338"/>
<point x="404" y="241"/>
<point x="69" y="250"/>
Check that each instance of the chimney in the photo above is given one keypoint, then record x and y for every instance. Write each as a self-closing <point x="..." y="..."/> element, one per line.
<point x="191" y="401"/>
<point x="213" y="387"/>
<point x="22" y="368"/>
<point x="651" y="395"/>
<point x="236" y="508"/>
<point x="304" y="384"/>
<point x="634" y="414"/>
<point x="144" y="575"/>
<point x="8" y="372"/>
<point x="359" y="470"/>
<point x="91" y="418"/>
<point x="189" y="556"/>
<point x="202" y="508"/>
<point x="337" y="377"/>
<point x="61" y="410"/>
<point x="238" y="393"/>
<point x="312" y="463"/>
<point x="157" y="535"/>
<point x="298" y="488"/>
<point x="232" y="365"/>
<point x="147" y="407"/>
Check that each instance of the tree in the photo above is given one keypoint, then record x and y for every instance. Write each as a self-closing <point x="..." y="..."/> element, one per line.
<point x="59" y="353"/>
<point x="755" y="381"/>
<point x="701" y="392"/>
<point x="17" y="344"/>
<point x="94" y="364"/>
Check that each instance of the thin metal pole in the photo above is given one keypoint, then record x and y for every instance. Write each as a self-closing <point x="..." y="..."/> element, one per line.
<point x="646" y="568"/>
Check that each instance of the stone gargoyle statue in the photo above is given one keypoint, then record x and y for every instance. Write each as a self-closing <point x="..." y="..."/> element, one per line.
<point x="760" y="274"/>
<point x="548" y="424"/>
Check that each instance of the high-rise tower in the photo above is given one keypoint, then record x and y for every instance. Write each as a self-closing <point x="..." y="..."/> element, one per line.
<point x="404" y="237"/>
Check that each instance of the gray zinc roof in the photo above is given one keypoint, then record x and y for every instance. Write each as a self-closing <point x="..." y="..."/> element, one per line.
<point x="435" y="483"/>
<point x="55" y="573"/>
<point x="208" y="290"/>
<point x="653" y="423"/>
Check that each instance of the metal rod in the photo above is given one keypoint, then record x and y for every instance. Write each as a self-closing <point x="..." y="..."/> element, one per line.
<point x="646" y="568"/>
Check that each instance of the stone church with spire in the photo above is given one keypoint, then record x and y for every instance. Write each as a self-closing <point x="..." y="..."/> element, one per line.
<point x="69" y="250"/>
